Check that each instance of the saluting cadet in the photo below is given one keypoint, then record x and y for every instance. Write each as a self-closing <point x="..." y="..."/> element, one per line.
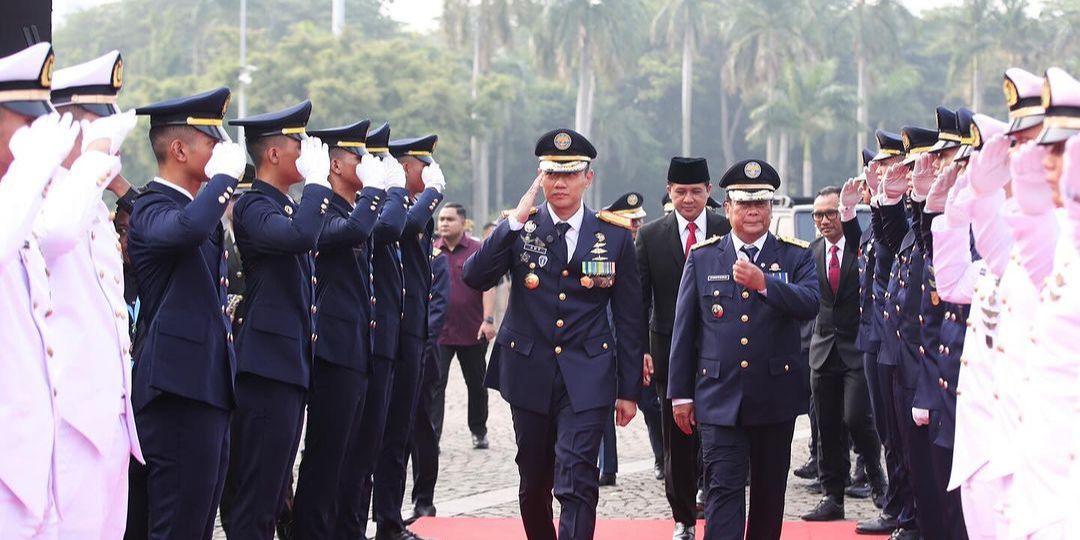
<point x="343" y="300"/>
<point x="559" y="363"/>
<point x="277" y="239"/>
<point x="33" y="143"/>
<point x="737" y="371"/>
<point x="369" y="425"/>
<point x="97" y="434"/>
<point x="182" y="387"/>
<point x="425" y="183"/>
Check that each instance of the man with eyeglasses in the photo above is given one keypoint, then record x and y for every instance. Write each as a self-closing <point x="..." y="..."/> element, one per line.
<point x="837" y="380"/>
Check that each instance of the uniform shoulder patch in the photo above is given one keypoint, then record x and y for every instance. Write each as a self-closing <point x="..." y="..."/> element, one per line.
<point x="794" y="241"/>
<point x="707" y="242"/>
<point x="614" y="219"/>
<point x="506" y="213"/>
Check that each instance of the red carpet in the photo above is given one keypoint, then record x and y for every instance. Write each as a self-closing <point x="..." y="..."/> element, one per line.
<point x="612" y="529"/>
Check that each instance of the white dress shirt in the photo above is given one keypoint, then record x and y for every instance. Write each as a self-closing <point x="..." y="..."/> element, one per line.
<point x="700" y="222"/>
<point x="167" y="183"/>
<point x="839" y="252"/>
<point x="571" y="236"/>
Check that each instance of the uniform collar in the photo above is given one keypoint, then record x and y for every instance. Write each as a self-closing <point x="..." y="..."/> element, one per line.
<point x="574" y="221"/>
<point x="274" y="193"/>
<point x="759" y="243"/>
<point x="341" y="203"/>
<point x="175" y="187"/>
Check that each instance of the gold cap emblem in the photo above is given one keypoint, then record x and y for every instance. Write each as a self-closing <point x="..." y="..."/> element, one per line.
<point x="752" y="170"/>
<point x="632" y="200"/>
<point x="47" y="70"/>
<point x="562" y="141"/>
<point x="1012" y="97"/>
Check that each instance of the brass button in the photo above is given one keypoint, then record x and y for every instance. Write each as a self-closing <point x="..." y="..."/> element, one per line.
<point x="513" y="344"/>
<point x="314" y="280"/>
<point x="787" y="368"/>
<point x="744" y="341"/>
<point x="49" y="351"/>
<point x="565" y="273"/>
<point x="558" y="349"/>
<point x="559" y="323"/>
<point x="605" y="346"/>
<point x="314" y="309"/>
<point x="745" y="295"/>
<point x="373" y="300"/>
<point x="703" y="371"/>
<point x="716" y="293"/>
<point x="745" y="318"/>
<point x="562" y="296"/>
<point x="744" y="364"/>
<point x="373" y="324"/>
<point x="314" y="338"/>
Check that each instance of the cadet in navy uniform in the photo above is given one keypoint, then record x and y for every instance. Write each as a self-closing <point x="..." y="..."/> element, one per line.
<point x="277" y="240"/>
<point x="425" y="183"/>
<point x="182" y="388"/>
<point x="736" y="368"/>
<point x="343" y="301"/>
<point x="387" y="286"/>
<point x="559" y="363"/>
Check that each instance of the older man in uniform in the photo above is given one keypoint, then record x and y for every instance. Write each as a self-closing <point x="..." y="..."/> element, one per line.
<point x="182" y="387"/>
<point x="30" y="152"/>
<point x="97" y="435"/>
<point x="736" y="370"/>
<point x="560" y="363"/>
<point x="662" y="246"/>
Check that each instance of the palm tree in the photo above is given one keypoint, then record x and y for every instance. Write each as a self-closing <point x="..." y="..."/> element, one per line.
<point x="683" y="22"/>
<point x="875" y="35"/>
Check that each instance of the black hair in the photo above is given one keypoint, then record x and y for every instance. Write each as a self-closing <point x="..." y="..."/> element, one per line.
<point x="457" y="208"/>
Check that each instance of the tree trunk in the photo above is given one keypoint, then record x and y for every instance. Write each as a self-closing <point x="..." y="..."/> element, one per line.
<point x="581" y="111"/>
<point x="861" y="111"/>
<point x="687" y="87"/>
<point x="726" y="130"/>
<point x="976" y="90"/>
<point x="770" y="150"/>
<point x="782" y="162"/>
<point x="483" y="188"/>
<point x="807" y="168"/>
<point x="500" y="171"/>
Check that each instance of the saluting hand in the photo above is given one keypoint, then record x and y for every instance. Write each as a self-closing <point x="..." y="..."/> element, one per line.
<point x="989" y="167"/>
<point x="872" y="180"/>
<point x="1034" y="195"/>
<point x="1070" y="177"/>
<point x="850" y="196"/>
<point x="939" y="190"/>
<point x="895" y="184"/>
<point x="748" y="275"/>
<point x="684" y="417"/>
<point x="525" y="205"/>
<point x="922" y="176"/>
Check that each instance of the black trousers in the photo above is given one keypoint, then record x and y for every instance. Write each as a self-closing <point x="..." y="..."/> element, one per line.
<point x="915" y="442"/>
<point x="186" y="446"/>
<point x="265" y="436"/>
<point x="365" y="440"/>
<point x="425" y="449"/>
<point x="843" y="409"/>
<point x="473" y="360"/>
<point x="390" y="468"/>
<point x="649" y="405"/>
<point x="556" y="452"/>
<point x="952" y="511"/>
<point x="899" y="494"/>
<point x="680" y="462"/>
<point x="732" y="452"/>
<point x="337" y="397"/>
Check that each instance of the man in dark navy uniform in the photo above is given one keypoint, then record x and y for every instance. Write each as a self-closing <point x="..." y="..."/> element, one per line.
<point x="425" y="183"/>
<point x="387" y="286"/>
<point x="277" y="240"/>
<point x="736" y="368"/>
<point x="343" y="301"/>
<point x="558" y="361"/>
<point x="182" y="387"/>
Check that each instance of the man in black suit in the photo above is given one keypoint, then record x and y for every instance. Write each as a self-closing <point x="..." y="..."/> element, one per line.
<point x="661" y="249"/>
<point x="837" y="381"/>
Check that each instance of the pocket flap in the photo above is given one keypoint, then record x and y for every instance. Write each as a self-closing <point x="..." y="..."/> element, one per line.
<point x="599" y="345"/>
<point x="276" y="325"/>
<point x="515" y="341"/>
<point x="189" y="329"/>
<point x="709" y="368"/>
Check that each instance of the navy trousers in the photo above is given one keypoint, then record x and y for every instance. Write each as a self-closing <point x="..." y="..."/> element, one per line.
<point x="952" y="511"/>
<point x="556" y="452"/>
<point x="365" y="439"/>
<point x="609" y="447"/>
<point x="186" y="446"/>
<point x="390" y="468"/>
<point x="898" y="498"/>
<point x="424" y="445"/>
<point x="337" y="397"/>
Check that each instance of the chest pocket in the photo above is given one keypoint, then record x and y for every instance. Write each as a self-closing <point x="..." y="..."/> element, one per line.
<point x="718" y="301"/>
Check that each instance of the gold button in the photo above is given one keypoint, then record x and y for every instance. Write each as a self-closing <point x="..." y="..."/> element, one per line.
<point x="745" y="318"/>
<point x="744" y="364"/>
<point x="703" y="372"/>
<point x="373" y="300"/>
<point x="314" y="280"/>
<point x="558" y="349"/>
<point x="562" y="296"/>
<point x="222" y="310"/>
<point x="559" y="323"/>
<point x="565" y="273"/>
<point x="513" y="344"/>
<point x="787" y="368"/>
<point x="373" y="324"/>
<point x="744" y="341"/>
<point x="49" y="351"/>
<point x="716" y="293"/>
<point x="745" y="295"/>
<point x="314" y="309"/>
<point x="314" y="338"/>
<point x="229" y="337"/>
<point x="605" y="346"/>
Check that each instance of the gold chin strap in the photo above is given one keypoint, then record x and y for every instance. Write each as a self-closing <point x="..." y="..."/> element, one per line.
<point x="24" y="95"/>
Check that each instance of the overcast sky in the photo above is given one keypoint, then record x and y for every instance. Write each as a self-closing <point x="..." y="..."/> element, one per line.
<point x="418" y="15"/>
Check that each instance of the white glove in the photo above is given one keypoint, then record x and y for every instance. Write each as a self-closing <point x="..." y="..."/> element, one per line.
<point x="989" y="167"/>
<point x="920" y="416"/>
<point x="45" y="144"/>
<point x="114" y="128"/>
<point x="432" y="176"/>
<point x="228" y="158"/>
<point x="850" y="195"/>
<point x="314" y="162"/>
<point x="922" y="176"/>
<point x="371" y="172"/>
<point x="894" y="185"/>
<point x="395" y="173"/>
<point x="959" y="202"/>
<point x="939" y="190"/>
<point x="1032" y="192"/>
<point x="872" y="180"/>
<point x="1070" y="179"/>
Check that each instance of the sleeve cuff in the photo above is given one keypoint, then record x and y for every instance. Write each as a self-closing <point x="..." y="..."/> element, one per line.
<point x="515" y="225"/>
<point x="677" y="402"/>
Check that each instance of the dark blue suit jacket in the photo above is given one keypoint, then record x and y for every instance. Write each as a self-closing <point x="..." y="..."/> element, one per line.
<point x="387" y="281"/>
<point x="343" y="280"/>
<point x="903" y="331"/>
<point x="277" y="240"/>
<point x="562" y="315"/>
<point x="440" y="299"/>
<point x="744" y="367"/>
<point x="183" y="342"/>
<point x="416" y="262"/>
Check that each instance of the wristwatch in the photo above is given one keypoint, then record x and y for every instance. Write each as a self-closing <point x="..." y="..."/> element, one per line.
<point x="489" y="320"/>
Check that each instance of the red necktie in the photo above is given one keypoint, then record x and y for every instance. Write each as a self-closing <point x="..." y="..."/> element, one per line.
<point x="834" y="269"/>
<point x="691" y="238"/>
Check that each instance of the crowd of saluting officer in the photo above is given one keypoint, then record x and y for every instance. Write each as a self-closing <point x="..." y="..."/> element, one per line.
<point x="160" y="367"/>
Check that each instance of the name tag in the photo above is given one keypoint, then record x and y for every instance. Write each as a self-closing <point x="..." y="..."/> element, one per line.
<point x="535" y="249"/>
<point x="724" y="277"/>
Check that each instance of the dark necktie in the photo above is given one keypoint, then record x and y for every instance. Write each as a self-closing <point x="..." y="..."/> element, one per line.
<point x="751" y="252"/>
<point x="834" y="269"/>
<point x="560" y="241"/>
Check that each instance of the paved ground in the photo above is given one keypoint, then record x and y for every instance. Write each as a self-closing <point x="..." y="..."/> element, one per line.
<point x="483" y="483"/>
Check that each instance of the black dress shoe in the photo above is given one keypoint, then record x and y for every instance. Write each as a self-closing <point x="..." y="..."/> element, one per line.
<point x="403" y="534"/>
<point x="858" y="490"/>
<point x="607" y="479"/>
<point x="878" y="496"/>
<point x="828" y="509"/>
<point x="905" y="534"/>
<point x="882" y="524"/>
<point x="860" y="471"/>
<point x="419" y="512"/>
<point x="808" y="471"/>
<point x="658" y="471"/>
<point x="479" y="442"/>
<point x="683" y="532"/>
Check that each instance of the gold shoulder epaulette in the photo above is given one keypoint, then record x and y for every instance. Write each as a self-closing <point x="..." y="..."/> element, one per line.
<point x="706" y="242"/>
<point x="614" y="219"/>
<point x="794" y="241"/>
<point x="506" y="213"/>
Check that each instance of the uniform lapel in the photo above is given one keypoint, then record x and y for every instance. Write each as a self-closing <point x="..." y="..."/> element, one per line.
<point x="821" y="263"/>
<point x="673" y="237"/>
<point x="586" y="239"/>
<point x="845" y="265"/>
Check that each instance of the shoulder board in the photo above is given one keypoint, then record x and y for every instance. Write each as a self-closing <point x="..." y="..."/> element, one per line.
<point x="707" y="242"/>
<point x="506" y="213"/>
<point x="614" y="219"/>
<point x="435" y="252"/>
<point x="793" y="241"/>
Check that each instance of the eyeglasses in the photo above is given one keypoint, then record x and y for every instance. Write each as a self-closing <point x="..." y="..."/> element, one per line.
<point x="828" y="214"/>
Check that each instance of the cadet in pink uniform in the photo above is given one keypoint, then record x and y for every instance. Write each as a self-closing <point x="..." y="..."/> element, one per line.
<point x="29" y="154"/>
<point x="92" y="361"/>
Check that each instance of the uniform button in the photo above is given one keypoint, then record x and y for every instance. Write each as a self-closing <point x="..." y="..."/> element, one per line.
<point x="373" y="300"/>
<point x="119" y="313"/>
<point x="314" y="309"/>
<point x="373" y="324"/>
<point x="941" y="382"/>
<point x="101" y="274"/>
<point x="222" y="310"/>
<point x="513" y="344"/>
<point x="745" y="295"/>
<point x="744" y="341"/>
<point x="314" y="280"/>
<point x="744" y="364"/>
<point x="230" y="337"/>
<point x="225" y="254"/>
<point x="559" y="323"/>
<point x="562" y="296"/>
<point x="221" y="281"/>
<point x="605" y="346"/>
<point x="314" y="338"/>
<point x="55" y="393"/>
<point x="922" y="351"/>
<point x="93" y="235"/>
<point x="787" y="368"/>
<point x="116" y="279"/>
<point x="565" y="273"/>
<point x="558" y="349"/>
<point x="48" y="313"/>
<point x="226" y="282"/>
<point x="703" y="372"/>
<point x="716" y="293"/>
<point x="745" y="318"/>
<point x="49" y="351"/>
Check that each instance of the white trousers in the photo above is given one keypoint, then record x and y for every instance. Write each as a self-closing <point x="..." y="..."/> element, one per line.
<point x="92" y="485"/>
<point x="17" y="523"/>
<point x="983" y="501"/>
